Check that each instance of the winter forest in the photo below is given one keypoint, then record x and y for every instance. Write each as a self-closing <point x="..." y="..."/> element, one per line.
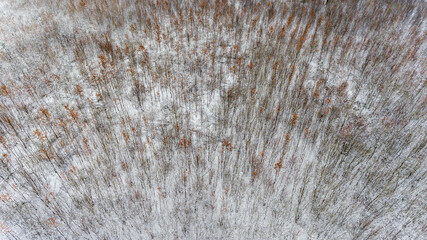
<point x="220" y="119"/>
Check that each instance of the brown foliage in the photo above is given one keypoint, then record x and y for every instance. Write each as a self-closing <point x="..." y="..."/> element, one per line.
<point x="47" y="154"/>
<point x="227" y="144"/>
<point x="184" y="142"/>
<point x="287" y="137"/>
<point x="73" y="114"/>
<point x="79" y="90"/>
<point x="125" y="136"/>
<point x="294" y="119"/>
<point x="3" y="141"/>
<point x="45" y="113"/>
<point x="4" y="90"/>
<point x="39" y="135"/>
<point x="278" y="165"/>
<point x="292" y="72"/>
<point x="124" y="166"/>
<point x="52" y="222"/>
<point x="6" y="197"/>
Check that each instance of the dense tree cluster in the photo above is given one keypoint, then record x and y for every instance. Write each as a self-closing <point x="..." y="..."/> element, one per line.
<point x="131" y="119"/>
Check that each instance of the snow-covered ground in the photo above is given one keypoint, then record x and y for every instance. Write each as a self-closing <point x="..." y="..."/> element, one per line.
<point x="212" y="120"/>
